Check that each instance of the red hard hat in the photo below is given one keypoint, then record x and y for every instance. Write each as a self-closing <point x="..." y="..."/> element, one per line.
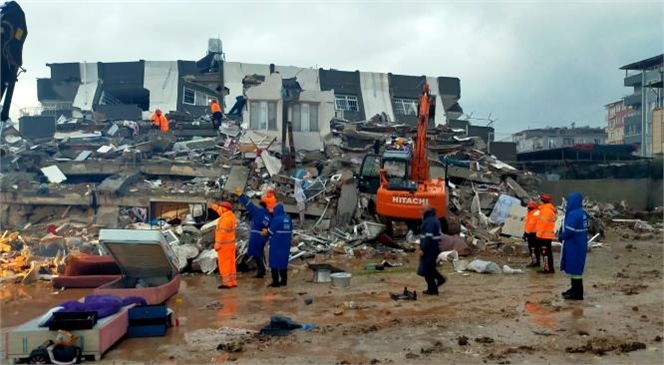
<point x="545" y="198"/>
<point x="532" y="205"/>
<point x="227" y="205"/>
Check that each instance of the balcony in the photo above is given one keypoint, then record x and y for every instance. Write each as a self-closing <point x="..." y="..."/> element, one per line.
<point x="654" y="78"/>
<point x="634" y="99"/>
<point x="633" y="80"/>
<point x="632" y="120"/>
<point x="632" y="139"/>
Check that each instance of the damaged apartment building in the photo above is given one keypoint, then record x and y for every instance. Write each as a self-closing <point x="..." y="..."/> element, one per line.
<point x="255" y="93"/>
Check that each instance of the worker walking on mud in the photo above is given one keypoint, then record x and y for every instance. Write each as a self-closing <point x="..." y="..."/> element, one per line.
<point x="159" y="121"/>
<point x="224" y="244"/>
<point x="217" y="114"/>
<point x="260" y="222"/>
<point x="430" y="235"/>
<point x="530" y="233"/>
<point x="270" y="199"/>
<point x="574" y="236"/>
<point x="545" y="227"/>
<point x="281" y="234"/>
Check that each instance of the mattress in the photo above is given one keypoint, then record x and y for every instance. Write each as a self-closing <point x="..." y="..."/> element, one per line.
<point x="21" y="340"/>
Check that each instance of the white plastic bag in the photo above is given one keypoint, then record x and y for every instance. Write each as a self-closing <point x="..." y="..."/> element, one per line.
<point x="482" y="266"/>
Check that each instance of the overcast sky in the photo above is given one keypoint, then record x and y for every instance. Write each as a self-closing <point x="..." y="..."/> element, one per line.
<point x="528" y="63"/>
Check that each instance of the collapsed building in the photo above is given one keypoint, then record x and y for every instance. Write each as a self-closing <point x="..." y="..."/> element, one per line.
<point x="89" y="159"/>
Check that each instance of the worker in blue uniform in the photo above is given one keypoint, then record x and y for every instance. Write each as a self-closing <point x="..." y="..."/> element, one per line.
<point x="260" y="221"/>
<point x="281" y="234"/>
<point x="430" y="235"/>
<point x="574" y="236"/>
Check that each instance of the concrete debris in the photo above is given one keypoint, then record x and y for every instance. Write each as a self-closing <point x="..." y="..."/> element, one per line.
<point x="125" y="174"/>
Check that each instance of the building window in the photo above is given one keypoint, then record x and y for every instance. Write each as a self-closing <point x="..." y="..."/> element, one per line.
<point x="568" y="141"/>
<point x="263" y="115"/>
<point x="196" y="98"/>
<point x="405" y="106"/>
<point x="598" y="141"/>
<point x="346" y="103"/>
<point x="305" y="117"/>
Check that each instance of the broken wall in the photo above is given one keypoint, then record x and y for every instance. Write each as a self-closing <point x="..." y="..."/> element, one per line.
<point x="270" y="90"/>
<point x="234" y="73"/>
<point x="161" y="79"/>
<point x="312" y="141"/>
<point x="640" y="194"/>
<point x="306" y="77"/>
<point x="376" y="94"/>
<point x="87" y="90"/>
<point x="441" y="117"/>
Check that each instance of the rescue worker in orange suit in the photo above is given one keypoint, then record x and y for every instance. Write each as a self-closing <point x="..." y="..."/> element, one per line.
<point x="159" y="121"/>
<point x="545" y="227"/>
<point x="530" y="233"/>
<point x="270" y="200"/>
<point x="217" y="114"/>
<point x="224" y="243"/>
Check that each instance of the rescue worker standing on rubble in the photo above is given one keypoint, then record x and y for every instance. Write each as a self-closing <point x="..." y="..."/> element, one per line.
<point x="281" y="234"/>
<point x="574" y="236"/>
<point x="270" y="199"/>
<point x="260" y="222"/>
<point x="545" y="227"/>
<point x="430" y="235"/>
<point x="224" y="243"/>
<point x="217" y="114"/>
<point x="530" y="233"/>
<point x="159" y="121"/>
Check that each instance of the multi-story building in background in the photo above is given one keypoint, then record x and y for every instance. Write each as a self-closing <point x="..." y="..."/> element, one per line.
<point x="645" y="77"/>
<point x="550" y="138"/>
<point x="616" y="113"/>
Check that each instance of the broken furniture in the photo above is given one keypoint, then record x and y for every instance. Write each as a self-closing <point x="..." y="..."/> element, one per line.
<point x="21" y="340"/>
<point x="148" y="264"/>
<point x="88" y="272"/>
<point x="406" y="295"/>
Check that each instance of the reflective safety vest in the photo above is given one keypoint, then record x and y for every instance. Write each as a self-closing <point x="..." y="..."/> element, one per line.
<point x="226" y="225"/>
<point x="215" y="108"/>
<point x="530" y="223"/>
<point x="546" y="224"/>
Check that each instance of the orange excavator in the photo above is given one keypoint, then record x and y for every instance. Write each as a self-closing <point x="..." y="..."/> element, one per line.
<point x="405" y="184"/>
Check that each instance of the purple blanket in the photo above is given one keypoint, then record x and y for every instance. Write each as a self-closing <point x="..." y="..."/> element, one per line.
<point x="104" y="305"/>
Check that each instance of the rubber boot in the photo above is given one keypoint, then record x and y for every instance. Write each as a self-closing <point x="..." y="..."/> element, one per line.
<point x="569" y="291"/>
<point x="275" y="279"/>
<point x="432" y="287"/>
<point x="260" y="267"/>
<point x="534" y="253"/>
<point x="547" y="257"/>
<point x="283" y="273"/>
<point x="577" y="290"/>
<point x="440" y="279"/>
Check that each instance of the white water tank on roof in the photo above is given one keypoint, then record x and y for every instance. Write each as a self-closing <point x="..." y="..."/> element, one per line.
<point x="214" y="45"/>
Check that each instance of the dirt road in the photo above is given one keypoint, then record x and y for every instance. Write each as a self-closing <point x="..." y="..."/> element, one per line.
<point x="494" y="319"/>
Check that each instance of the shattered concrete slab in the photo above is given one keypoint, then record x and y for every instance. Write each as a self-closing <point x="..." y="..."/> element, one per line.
<point x="237" y="178"/>
<point x="117" y="185"/>
<point x="54" y="174"/>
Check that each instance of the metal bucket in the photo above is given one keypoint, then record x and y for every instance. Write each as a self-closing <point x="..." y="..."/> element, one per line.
<point x="322" y="276"/>
<point x="341" y="280"/>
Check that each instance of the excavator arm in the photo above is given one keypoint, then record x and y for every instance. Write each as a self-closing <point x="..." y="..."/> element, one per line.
<point x="14" y="32"/>
<point x="420" y="169"/>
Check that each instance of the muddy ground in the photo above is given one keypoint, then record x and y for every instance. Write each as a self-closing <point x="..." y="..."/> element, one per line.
<point x="493" y="319"/>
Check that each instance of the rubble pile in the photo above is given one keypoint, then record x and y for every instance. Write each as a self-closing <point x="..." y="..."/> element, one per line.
<point x="167" y="180"/>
